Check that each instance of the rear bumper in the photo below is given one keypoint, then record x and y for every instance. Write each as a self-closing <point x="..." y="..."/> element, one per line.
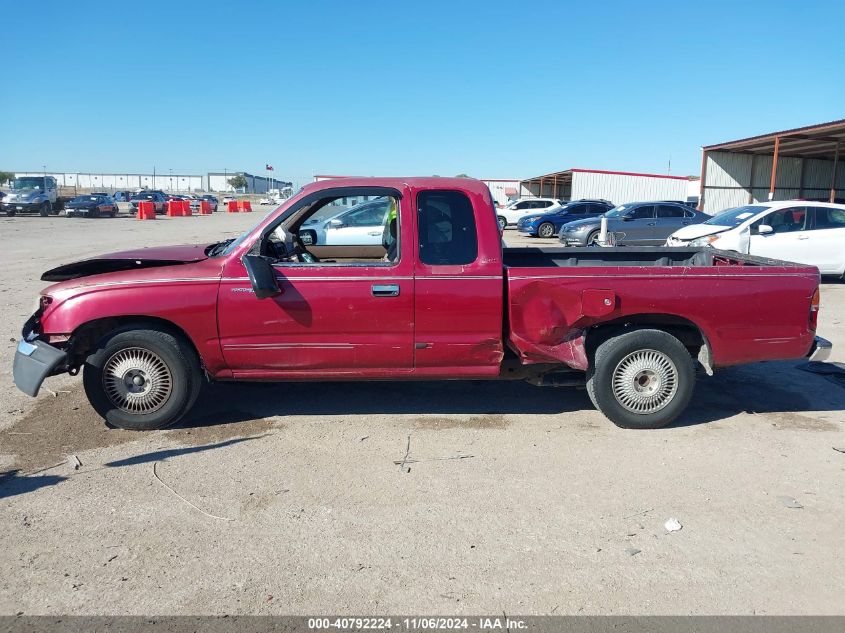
<point x="821" y="349"/>
<point x="34" y="361"/>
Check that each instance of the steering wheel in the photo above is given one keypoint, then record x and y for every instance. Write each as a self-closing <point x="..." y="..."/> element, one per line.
<point x="284" y="246"/>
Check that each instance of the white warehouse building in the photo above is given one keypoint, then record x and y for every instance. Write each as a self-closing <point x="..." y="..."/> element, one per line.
<point x="618" y="187"/>
<point x="123" y="182"/>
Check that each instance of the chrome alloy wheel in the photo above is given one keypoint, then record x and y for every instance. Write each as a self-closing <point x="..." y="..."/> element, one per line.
<point x="137" y="381"/>
<point x="645" y="381"/>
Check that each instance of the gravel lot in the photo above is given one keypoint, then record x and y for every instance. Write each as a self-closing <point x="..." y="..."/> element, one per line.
<point x="518" y="499"/>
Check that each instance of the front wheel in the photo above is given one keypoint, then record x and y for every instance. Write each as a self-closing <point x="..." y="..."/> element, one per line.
<point x="45" y="209"/>
<point x="546" y="229"/>
<point x="641" y="380"/>
<point x="142" y="379"/>
<point x="593" y="239"/>
<point x="503" y="222"/>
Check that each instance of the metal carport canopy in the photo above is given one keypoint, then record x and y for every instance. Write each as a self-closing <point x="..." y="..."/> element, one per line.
<point x="822" y="141"/>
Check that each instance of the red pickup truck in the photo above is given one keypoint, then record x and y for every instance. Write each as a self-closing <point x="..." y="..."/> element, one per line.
<point x="432" y="296"/>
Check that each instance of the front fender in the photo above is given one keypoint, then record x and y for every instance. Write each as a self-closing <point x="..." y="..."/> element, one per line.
<point x="188" y="304"/>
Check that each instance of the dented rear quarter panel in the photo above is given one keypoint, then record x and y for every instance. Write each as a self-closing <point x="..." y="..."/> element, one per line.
<point x="746" y="313"/>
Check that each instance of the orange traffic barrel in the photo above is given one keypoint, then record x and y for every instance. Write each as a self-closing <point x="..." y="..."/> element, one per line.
<point x="232" y="207"/>
<point x="174" y="208"/>
<point x="205" y="207"/>
<point x="146" y="210"/>
<point x="186" y="207"/>
<point x="244" y="206"/>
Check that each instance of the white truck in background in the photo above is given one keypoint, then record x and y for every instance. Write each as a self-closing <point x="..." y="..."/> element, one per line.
<point x="33" y="194"/>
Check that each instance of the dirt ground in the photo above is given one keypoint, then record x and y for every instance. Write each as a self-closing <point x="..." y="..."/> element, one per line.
<point x="390" y="498"/>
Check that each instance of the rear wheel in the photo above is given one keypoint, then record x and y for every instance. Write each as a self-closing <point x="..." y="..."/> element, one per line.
<point x="641" y="380"/>
<point x="142" y="379"/>
<point x="546" y="229"/>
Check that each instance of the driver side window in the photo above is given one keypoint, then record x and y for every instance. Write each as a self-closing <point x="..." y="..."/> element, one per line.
<point x="334" y="230"/>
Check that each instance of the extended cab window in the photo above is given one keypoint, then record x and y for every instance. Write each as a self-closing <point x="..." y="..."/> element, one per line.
<point x="446" y="228"/>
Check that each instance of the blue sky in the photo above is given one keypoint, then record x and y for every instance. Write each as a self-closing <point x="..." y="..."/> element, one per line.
<point x="491" y="89"/>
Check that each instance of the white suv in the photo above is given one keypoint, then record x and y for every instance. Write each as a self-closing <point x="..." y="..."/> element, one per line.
<point x="795" y="230"/>
<point x="510" y="214"/>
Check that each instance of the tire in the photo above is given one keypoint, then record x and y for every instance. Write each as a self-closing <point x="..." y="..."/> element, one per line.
<point x="167" y="363"/>
<point x="10" y="213"/>
<point x="641" y="380"/>
<point x="593" y="238"/>
<point x="503" y="222"/>
<point x="45" y="209"/>
<point x="546" y="229"/>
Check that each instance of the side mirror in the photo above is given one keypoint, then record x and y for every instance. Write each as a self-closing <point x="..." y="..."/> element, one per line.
<point x="336" y="224"/>
<point x="262" y="276"/>
<point x="765" y="229"/>
<point x="627" y="218"/>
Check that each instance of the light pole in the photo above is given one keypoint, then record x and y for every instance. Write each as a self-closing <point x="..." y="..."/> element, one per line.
<point x="170" y="171"/>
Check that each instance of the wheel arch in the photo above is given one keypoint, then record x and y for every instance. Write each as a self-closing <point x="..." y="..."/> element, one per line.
<point x="87" y="336"/>
<point x="688" y="332"/>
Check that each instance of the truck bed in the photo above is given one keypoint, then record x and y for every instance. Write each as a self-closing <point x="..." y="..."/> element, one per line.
<point x="745" y="308"/>
<point x="630" y="256"/>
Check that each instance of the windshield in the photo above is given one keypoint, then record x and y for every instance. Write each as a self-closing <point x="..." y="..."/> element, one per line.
<point x="735" y="217"/>
<point x="86" y="199"/>
<point x="30" y="182"/>
<point x="144" y="196"/>
<point x="619" y="211"/>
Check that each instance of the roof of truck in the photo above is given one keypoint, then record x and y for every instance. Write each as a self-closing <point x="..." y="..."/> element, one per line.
<point x="420" y="182"/>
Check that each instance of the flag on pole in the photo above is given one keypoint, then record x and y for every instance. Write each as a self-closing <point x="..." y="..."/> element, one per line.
<point x="268" y="167"/>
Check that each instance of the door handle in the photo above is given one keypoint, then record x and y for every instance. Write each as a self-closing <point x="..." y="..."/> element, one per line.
<point x="803" y="237"/>
<point x="375" y="233"/>
<point x="652" y="224"/>
<point x="385" y="290"/>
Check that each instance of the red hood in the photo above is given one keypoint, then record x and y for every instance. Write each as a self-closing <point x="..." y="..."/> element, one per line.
<point x="181" y="252"/>
<point x="128" y="260"/>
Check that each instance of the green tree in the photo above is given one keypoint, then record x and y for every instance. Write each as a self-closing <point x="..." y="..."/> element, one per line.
<point x="6" y="176"/>
<point x="238" y="181"/>
<point x="462" y="176"/>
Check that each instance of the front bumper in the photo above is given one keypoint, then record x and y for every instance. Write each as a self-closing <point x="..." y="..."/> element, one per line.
<point x="21" y="206"/>
<point x="527" y="229"/>
<point x="34" y="361"/>
<point x="820" y="351"/>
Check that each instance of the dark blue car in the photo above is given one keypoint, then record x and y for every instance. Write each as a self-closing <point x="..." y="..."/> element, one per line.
<point x="549" y="224"/>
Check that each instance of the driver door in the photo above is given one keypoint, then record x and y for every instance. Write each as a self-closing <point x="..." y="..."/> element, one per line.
<point x="638" y="226"/>
<point x="331" y="318"/>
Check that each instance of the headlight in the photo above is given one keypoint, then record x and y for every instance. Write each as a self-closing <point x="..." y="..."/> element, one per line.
<point x="707" y="240"/>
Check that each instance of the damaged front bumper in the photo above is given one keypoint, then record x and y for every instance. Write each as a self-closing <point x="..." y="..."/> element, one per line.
<point x="34" y="361"/>
<point x="820" y="351"/>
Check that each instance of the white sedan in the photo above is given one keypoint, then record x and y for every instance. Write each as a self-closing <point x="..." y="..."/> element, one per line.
<point x="360" y="225"/>
<point x="794" y="230"/>
<point x="510" y="214"/>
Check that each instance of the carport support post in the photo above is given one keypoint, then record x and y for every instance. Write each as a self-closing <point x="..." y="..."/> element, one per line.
<point x="701" y="181"/>
<point x="833" y="175"/>
<point x="774" y="169"/>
